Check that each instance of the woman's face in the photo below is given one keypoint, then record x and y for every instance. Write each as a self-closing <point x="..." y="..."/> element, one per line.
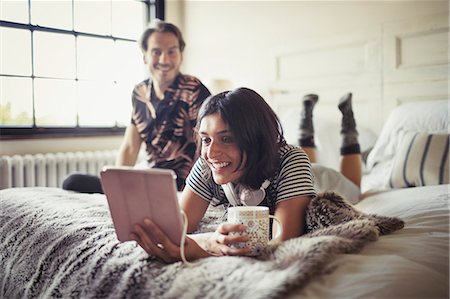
<point x="220" y="150"/>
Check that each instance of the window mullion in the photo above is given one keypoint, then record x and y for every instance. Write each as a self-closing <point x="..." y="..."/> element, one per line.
<point x="32" y="67"/>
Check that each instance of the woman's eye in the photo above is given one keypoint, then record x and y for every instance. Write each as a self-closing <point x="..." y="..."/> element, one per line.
<point x="227" y="139"/>
<point x="206" y="140"/>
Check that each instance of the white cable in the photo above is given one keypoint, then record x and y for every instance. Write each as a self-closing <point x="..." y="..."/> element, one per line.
<point x="183" y="239"/>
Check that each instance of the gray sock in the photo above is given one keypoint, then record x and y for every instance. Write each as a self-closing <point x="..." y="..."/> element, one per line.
<point x="306" y="117"/>
<point x="348" y="125"/>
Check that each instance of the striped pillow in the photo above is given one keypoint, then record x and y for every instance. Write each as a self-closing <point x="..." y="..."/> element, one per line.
<point x="421" y="160"/>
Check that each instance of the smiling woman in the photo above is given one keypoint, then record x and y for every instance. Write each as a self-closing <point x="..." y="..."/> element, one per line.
<point x="59" y="67"/>
<point x="242" y="149"/>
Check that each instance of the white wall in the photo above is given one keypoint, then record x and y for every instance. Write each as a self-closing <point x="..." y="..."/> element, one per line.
<point x="236" y="40"/>
<point x="54" y="145"/>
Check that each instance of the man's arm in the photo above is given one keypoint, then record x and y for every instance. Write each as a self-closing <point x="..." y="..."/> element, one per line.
<point x="129" y="149"/>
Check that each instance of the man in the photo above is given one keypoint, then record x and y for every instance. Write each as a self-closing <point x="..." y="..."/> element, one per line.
<point x="164" y="111"/>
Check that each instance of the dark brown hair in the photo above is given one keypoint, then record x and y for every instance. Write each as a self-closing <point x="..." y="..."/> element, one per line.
<point x="161" y="26"/>
<point x="255" y="127"/>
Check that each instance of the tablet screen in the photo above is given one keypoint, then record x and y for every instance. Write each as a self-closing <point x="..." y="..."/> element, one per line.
<point x="135" y="194"/>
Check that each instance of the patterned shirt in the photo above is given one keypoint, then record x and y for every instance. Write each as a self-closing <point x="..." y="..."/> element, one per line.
<point x="293" y="178"/>
<point x="168" y="130"/>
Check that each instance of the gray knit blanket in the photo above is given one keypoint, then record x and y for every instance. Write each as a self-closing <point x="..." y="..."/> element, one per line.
<point x="60" y="244"/>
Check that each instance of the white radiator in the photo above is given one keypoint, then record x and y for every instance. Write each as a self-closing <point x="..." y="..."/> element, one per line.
<point x="49" y="170"/>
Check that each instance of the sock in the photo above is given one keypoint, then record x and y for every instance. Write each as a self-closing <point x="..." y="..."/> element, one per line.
<point x="306" y="121"/>
<point x="350" y="143"/>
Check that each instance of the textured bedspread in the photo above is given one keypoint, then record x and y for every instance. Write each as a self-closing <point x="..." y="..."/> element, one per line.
<point x="60" y="244"/>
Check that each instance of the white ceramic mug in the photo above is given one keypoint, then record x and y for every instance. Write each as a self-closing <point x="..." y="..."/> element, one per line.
<point x="256" y="220"/>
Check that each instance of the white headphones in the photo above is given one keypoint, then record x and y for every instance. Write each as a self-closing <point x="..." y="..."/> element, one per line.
<point x="245" y="196"/>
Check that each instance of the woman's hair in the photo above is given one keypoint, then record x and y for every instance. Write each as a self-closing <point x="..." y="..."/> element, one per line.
<point x="256" y="129"/>
<point x="161" y="26"/>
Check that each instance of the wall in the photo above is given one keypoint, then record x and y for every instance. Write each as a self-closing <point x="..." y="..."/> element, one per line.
<point x="385" y="52"/>
<point x="54" y="145"/>
<point x="235" y="40"/>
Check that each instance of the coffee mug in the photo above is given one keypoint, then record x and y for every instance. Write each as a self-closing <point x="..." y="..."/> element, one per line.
<point x="256" y="220"/>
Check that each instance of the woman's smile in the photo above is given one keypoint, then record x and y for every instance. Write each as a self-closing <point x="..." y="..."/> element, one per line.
<point x="219" y="165"/>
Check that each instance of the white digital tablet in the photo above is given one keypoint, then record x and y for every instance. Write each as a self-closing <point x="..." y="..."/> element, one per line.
<point x="135" y="194"/>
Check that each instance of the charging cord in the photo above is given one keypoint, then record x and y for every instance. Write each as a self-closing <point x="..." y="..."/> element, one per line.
<point x="183" y="240"/>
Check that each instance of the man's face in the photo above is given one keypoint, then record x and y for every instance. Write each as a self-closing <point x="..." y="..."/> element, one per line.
<point x="163" y="57"/>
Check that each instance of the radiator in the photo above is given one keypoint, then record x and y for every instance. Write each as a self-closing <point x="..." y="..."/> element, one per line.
<point x="49" y="170"/>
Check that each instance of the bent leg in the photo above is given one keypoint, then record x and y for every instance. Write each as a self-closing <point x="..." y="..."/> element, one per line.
<point x="83" y="183"/>
<point x="351" y="167"/>
<point x="311" y="152"/>
<point x="306" y="140"/>
<point x="350" y="164"/>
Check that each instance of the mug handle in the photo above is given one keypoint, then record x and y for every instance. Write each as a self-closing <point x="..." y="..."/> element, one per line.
<point x="279" y="229"/>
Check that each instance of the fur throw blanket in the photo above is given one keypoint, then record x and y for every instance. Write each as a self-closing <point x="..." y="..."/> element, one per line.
<point x="61" y="244"/>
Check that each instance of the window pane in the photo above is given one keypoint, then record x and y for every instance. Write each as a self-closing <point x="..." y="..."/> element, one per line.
<point x="122" y="100"/>
<point x="128" y="18"/>
<point x="15" y="51"/>
<point x="14" y="11"/>
<point x="16" y="106"/>
<point x="129" y="64"/>
<point x="55" y="102"/>
<point x="55" y="14"/>
<point x="97" y="107"/>
<point x="92" y="16"/>
<point x="95" y="58"/>
<point x="54" y="55"/>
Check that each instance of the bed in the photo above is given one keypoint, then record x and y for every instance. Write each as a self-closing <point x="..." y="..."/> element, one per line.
<point x="56" y="243"/>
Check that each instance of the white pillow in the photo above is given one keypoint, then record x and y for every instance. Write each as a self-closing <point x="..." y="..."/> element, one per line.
<point x="427" y="116"/>
<point x="421" y="160"/>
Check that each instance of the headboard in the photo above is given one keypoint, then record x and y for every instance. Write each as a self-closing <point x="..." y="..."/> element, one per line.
<point x="383" y="66"/>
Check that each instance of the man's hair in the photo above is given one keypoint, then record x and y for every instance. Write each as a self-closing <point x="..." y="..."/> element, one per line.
<point x="256" y="129"/>
<point x="160" y="26"/>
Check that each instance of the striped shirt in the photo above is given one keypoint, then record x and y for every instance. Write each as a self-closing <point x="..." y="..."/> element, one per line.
<point x="168" y="128"/>
<point x="293" y="178"/>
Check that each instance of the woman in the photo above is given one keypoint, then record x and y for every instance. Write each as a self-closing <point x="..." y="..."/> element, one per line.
<point x="242" y="146"/>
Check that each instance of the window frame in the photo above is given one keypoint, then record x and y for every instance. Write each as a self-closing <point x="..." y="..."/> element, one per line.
<point x="155" y="9"/>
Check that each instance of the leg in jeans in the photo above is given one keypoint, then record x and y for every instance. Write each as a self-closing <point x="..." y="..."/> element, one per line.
<point x="83" y="183"/>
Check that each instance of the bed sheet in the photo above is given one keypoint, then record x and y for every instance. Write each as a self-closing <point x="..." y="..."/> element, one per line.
<point x="410" y="263"/>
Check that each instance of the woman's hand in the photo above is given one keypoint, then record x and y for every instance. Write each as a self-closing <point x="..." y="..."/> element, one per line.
<point x="165" y="249"/>
<point x="220" y="241"/>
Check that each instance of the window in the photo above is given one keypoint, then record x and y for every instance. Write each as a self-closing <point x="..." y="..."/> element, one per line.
<point x="68" y="67"/>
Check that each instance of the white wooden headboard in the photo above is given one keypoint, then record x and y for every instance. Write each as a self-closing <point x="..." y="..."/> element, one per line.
<point x="382" y="66"/>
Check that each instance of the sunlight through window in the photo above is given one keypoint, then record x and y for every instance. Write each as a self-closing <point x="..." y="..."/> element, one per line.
<point x="16" y="106"/>
<point x="15" y="51"/>
<point x="70" y="63"/>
